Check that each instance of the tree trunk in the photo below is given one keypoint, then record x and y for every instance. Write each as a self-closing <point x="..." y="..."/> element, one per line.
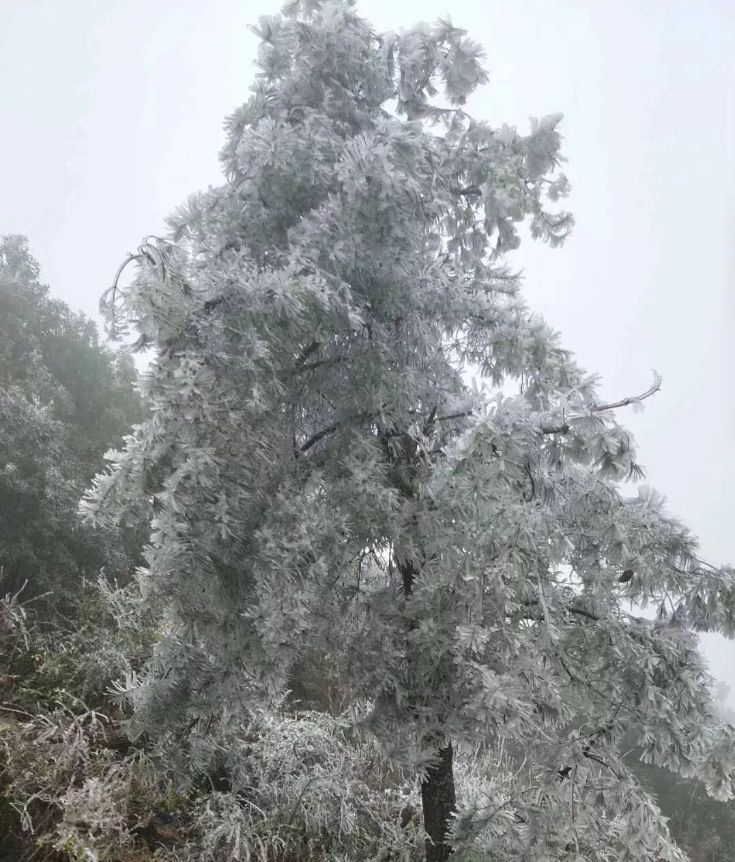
<point x="439" y="803"/>
<point x="438" y="798"/>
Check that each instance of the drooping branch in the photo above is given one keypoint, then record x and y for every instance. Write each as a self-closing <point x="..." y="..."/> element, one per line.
<point x="109" y="297"/>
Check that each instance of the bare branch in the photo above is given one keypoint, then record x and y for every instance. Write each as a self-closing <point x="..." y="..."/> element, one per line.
<point x="329" y="360"/>
<point x="320" y="435"/>
<point x="532" y="492"/>
<point x="315" y="345"/>
<point x="468" y="191"/>
<point x="564" y="427"/>
<point x="211" y="304"/>
<point x="428" y="425"/>
<point x="583" y="612"/>
<point x="459" y="415"/>
<point x="633" y="399"/>
<point x="574" y="609"/>
<point x="555" y="429"/>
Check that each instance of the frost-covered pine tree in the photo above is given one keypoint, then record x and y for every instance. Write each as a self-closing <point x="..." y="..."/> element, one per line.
<point x="313" y="321"/>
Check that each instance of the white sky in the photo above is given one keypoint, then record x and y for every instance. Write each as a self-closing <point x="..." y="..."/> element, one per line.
<point x="111" y="114"/>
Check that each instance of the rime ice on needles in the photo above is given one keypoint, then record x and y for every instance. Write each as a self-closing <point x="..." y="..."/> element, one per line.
<point x="311" y="321"/>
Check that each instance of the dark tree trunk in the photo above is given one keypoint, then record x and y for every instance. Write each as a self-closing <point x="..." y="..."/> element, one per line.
<point x="439" y="803"/>
<point x="438" y="798"/>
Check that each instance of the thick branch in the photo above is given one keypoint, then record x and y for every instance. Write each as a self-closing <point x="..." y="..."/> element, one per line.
<point x="573" y="609"/>
<point x="432" y="417"/>
<point x="583" y="612"/>
<point x="555" y="429"/>
<point x="459" y="415"/>
<point x="320" y="435"/>
<point x="315" y="345"/>
<point x="468" y="192"/>
<point x="329" y="360"/>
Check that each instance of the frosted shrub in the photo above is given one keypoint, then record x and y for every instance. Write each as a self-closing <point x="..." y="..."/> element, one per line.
<point x="305" y="787"/>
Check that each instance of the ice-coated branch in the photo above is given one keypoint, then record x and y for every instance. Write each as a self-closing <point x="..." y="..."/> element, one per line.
<point x="564" y="428"/>
<point x="633" y="399"/>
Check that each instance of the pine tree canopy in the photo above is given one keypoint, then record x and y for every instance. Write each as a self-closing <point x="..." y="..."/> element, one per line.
<point x="315" y="323"/>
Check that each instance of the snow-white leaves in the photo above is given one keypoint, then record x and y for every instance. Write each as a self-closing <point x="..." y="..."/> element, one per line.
<point x="312" y="320"/>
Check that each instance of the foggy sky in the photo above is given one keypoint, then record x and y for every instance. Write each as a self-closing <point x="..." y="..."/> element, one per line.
<point x="111" y="115"/>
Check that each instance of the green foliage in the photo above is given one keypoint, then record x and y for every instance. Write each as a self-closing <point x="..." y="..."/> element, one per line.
<point x="64" y="400"/>
<point x="68" y="786"/>
<point x="53" y="353"/>
<point x="703" y="827"/>
<point x="80" y="663"/>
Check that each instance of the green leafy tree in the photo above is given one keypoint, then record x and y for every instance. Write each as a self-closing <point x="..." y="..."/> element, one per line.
<point x="702" y="826"/>
<point x="313" y="321"/>
<point x="64" y="400"/>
